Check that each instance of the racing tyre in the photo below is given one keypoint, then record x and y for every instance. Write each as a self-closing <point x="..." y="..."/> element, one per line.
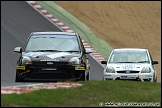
<point x="155" y="79"/>
<point x="17" y="78"/>
<point x="88" y="76"/>
<point x="83" y="77"/>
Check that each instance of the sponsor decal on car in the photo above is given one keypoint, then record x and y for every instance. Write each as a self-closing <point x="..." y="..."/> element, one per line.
<point x="20" y="67"/>
<point x="79" y="68"/>
<point x="49" y="63"/>
<point x="53" y="56"/>
<point x="128" y="66"/>
<point x="33" y="54"/>
<point x="49" y="69"/>
<point x="52" y="36"/>
<point x="50" y="60"/>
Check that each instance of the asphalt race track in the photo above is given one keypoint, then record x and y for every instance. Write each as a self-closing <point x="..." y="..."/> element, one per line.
<point x="18" y="20"/>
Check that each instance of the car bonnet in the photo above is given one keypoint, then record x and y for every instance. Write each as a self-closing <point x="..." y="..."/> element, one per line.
<point x="128" y="66"/>
<point x="58" y="56"/>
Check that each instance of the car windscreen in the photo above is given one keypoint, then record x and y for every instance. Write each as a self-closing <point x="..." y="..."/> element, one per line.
<point x="129" y="56"/>
<point x="52" y="42"/>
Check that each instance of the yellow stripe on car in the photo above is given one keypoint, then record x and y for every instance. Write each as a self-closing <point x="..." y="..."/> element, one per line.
<point x="79" y="68"/>
<point x="21" y="67"/>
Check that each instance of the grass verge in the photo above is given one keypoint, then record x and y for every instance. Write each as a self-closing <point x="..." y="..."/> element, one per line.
<point x="91" y="94"/>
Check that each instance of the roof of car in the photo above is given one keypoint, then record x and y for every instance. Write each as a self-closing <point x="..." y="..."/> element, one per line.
<point x="142" y="49"/>
<point x="51" y="32"/>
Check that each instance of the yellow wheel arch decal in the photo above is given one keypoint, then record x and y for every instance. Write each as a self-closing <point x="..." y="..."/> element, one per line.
<point x="20" y="67"/>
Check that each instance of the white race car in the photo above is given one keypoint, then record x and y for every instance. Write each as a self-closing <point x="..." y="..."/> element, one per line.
<point x="130" y="64"/>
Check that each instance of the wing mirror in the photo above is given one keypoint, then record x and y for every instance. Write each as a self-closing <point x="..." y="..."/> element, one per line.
<point x="103" y="62"/>
<point x="18" y="49"/>
<point x="154" y="62"/>
<point x="88" y="50"/>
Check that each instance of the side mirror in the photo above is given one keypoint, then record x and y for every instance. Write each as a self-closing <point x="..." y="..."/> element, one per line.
<point x="88" y="50"/>
<point x="18" y="49"/>
<point x="154" y="62"/>
<point x="103" y="62"/>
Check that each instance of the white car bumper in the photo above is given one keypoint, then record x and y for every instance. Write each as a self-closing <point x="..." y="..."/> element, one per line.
<point x="137" y="76"/>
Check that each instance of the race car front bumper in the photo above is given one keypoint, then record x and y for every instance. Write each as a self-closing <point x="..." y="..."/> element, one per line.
<point x="50" y="73"/>
<point x="132" y="76"/>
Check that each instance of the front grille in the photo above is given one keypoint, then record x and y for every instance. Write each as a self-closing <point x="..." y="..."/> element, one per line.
<point x="127" y="71"/>
<point x="54" y="64"/>
<point x="127" y="79"/>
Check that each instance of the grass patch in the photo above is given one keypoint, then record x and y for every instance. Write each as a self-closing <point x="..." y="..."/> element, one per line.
<point x="91" y="94"/>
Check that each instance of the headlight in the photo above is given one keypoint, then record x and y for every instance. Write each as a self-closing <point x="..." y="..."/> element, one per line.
<point x="146" y="70"/>
<point x="26" y="60"/>
<point x="110" y="70"/>
<point x="74" y="61"/>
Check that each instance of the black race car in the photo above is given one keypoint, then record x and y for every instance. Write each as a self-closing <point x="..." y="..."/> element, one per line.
<point x="53" y="56"/>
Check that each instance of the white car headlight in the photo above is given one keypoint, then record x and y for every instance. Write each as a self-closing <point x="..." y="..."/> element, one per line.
<point x="146" y="70"/>
<point x="26" y="60"/>
<point x="110" y="70"/>
<point x="74" y="61"/>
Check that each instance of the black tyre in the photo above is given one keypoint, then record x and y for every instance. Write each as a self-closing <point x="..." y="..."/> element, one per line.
<point x="83" y="77"/>
<point x="88" y="76"/>
<point x="17" y="78"/>
<point x="154" y="78"/>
